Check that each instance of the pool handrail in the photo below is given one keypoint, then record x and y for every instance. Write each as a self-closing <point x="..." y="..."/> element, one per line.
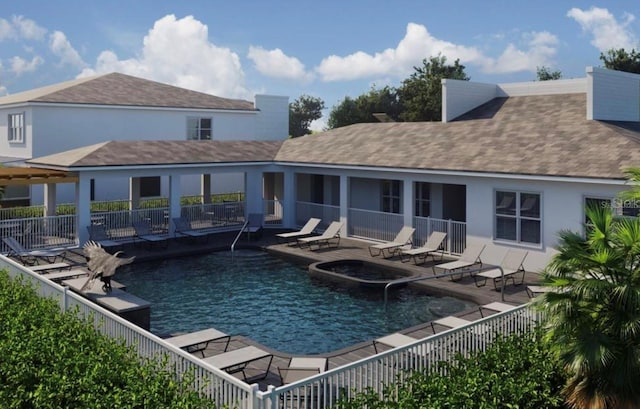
<point x="233" y="245"/>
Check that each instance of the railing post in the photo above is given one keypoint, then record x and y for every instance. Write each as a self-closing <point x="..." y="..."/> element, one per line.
<point x="65" y="289"/>
<point x="253" y="397"/>
<point x="449" y="241"/>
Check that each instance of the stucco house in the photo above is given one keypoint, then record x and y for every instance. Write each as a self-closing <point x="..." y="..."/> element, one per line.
<point x="116" y="106"/>
<point x="509" y="166"/>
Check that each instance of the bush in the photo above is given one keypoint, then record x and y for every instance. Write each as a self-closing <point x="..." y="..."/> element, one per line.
<point x="514" y="372"/>
<point x="50" y="359"/>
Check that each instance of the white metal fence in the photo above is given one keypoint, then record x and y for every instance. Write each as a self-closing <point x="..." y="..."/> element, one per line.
<point x="214" y="215"/>
<point x="456" y="231"/>
<point x="374" y="225"/>
<point x="326" y="213"/>
<point x="41" y="232"/>
<point x="273" y="212"/>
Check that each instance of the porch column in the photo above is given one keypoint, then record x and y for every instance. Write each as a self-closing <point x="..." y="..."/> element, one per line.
<point x="83" y="208"/>
<point x="253" y="192"/>
<point x="289" y="199"/>
<point x="175" y="191"/>
<point x="50" y="199"/>
<point x="134" y="193"/>
<point x="344" y="204"/>
<point x="407" y="201"/>
<point x="205" y="188"/>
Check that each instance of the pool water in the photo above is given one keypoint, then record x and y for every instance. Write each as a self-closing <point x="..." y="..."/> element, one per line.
<point x="273" y="301"/>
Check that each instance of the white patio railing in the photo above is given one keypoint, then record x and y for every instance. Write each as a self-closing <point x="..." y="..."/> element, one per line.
<point x="119" y="224"/>
<point x="217" y="385"/>
<point x="214" y="215"/>
<point x="273" y="212"/>
<point x="374" y="225"/>
<point x="456" y="231"/>
<point x="41" y="232"/>
<point x="326" y="213"/>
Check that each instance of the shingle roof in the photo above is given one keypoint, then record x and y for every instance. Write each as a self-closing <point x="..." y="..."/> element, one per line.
<point x="139" y="153"/>
<point x="545" y="135"/>
<point x="125" y="90"/>
<point x="531" y="135"/>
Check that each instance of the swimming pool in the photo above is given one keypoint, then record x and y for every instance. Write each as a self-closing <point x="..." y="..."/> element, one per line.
<point x="273" y="302"/>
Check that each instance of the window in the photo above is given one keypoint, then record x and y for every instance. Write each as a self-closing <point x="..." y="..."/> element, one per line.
<point x="629" y="208"/>
<point x="423" y="199"/>
<point x="150" y="186"/>
<point x="391" y="196"/>
<point x="518" y="217"/>
<point x="199" y="129"/>
<point x="16" y="128"/>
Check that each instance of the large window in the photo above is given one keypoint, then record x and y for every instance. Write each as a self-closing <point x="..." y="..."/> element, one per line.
<point x="629" y="208"/>
<point x="518" y="217"/>
<point x="423" y="199"/>
<point x="391" y="196"/>
<point x="199" y="129"/>
<point x="16" y="128"/>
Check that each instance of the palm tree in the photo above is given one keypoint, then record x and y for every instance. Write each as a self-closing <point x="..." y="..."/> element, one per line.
<point x="593" y="317"/>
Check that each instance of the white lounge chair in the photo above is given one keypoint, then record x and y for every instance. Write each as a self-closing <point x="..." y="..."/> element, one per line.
<point x="535" y="290"/>
<point x="403" y="238"/>
<point x="28" y="257"/>
<point x="434" y="244"/>
<point x="183" y="228"/>
<point x="302" y="367"/>
<point x="394" y="340"/>
<point x="496" y="307"/>
<point x="306" y="230"/>
<point x="469" y="257"/>
<point x="198" y="341"/>
<point x="144" y="233"/>
<point x="511" y="264"/>
<point x="98" y="233"/>
<point x="237" y="360"/>
<point x="330" y="235"/>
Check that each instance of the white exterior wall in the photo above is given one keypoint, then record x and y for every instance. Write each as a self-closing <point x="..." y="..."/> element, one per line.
<point x="272" y="123"/>
<point x="613" y="95"/>
<point x="520" y="89"/>
<point x="460" y="96"/>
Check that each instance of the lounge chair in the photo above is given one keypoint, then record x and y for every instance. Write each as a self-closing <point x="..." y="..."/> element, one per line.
<point x="469" y="257"/>
<point x="144" y="233"/>
<point x="302" y="367"/>
<point x="394" y="340"/>
<point x="434" y="243"/>
<point x="254" y="224"/>
<point x="98" y="233"/>
<point x="29" y="257"/>
<point x="535" y="290"/>
<point x="331" y="234"/>
<point x="511" y="264"/>
<point x="496" y="307"/>
<point x="306" y="230"/>
<point x="199" y="341"/>
<point x="455" y="322"/>
<point x="237" y="360"/>
<point x="183" y="228"/>
<point x="44" y="268"/>
<point x="403" y="238"/>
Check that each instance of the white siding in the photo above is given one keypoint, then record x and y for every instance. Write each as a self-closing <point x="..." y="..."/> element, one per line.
<point x="613" y="95"/>
<point x="459" y="97"/>
<point x="273" y="121"/>
<point x="518" y="89"/>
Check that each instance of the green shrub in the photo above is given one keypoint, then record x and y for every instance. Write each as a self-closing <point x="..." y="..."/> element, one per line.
<point x="50" y="359"/>
<point x="514" y="372"/>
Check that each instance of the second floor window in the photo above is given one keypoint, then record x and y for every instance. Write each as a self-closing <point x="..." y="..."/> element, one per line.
<point x="16" y="128"/>
<point x="391" y="196"/>
<point x="199" y="129"/>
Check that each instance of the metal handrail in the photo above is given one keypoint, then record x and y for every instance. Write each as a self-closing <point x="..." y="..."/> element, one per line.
<point x="244" y="226"/>
<point x="413" y="279"/>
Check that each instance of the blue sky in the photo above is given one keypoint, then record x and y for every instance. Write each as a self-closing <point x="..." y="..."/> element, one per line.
<point x="329" y="49"/>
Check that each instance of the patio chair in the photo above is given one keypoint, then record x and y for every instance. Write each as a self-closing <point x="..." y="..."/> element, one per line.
<point x="434" y="243"/>
<point x="199" y="341"/>
<point x="306" y="230"/>
<point x="331" y="234"/>
<point x="496" y="307"/>
<point x="403" y="238"/>
<point x="511" y="264"/>
<point x="30" y="257"/>
<point x="237" y="360"/>
<point x="144" y="233"/>
<point x="535" y="290"/>
<point x="254" y="224"/>
<point x="302" y="367"/>
<point x="469" y="257"/>
<point x="99" y="234"/>
<point x="183" y="228"/>
<point x="394" y="340"/>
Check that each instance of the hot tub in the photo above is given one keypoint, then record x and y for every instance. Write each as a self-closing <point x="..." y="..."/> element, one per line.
<point x="357" y="272"/>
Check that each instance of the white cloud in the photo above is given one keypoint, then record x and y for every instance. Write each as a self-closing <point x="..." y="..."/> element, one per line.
<point x="27" y="28"/>
<point x="19" y="65"/>
<point x="540" y="49"/>
<point x="275" y="63"/>
<point x="178" y="52"/>
<point x="6" y="30"/>
<point x="607" y="32"/>
<point x="62" y="48"/>
<point x="419" y="44"/>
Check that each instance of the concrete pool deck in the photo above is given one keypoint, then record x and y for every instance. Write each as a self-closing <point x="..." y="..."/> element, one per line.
<point x="348" y="249"/>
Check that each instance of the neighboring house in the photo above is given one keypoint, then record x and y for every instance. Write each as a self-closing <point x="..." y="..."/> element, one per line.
<point x="115" y="106"/>
<point x="512" y="163"/>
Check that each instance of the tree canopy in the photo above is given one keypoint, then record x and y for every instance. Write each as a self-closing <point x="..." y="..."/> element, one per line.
<point x="419" y="97"/>
<point x="302" y="112"/>
<point x="545" y="74"/>
<point x="621" y="60"/>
